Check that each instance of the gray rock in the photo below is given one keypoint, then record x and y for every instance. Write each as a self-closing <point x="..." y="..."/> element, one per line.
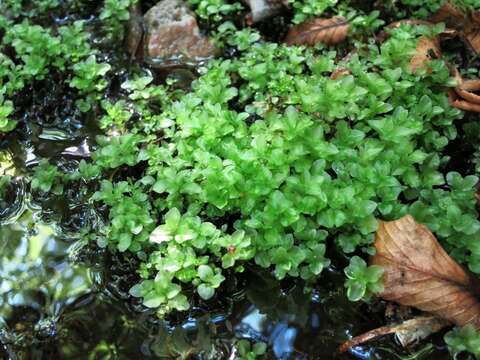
<point x="172" y="33"/>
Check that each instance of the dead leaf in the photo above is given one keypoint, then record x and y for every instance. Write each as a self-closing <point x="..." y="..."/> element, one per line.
<point x="451" y="15"/>
<point x="340" y="72"/>
<point x="427" y="50"/>
<point x="326" y="31"/>
<point x="413" y="22"/>
<point x="466" y="24"/>
<point x="473" y="39"/>
<point x="419" y="273"/>
<point x="407" y="333"/>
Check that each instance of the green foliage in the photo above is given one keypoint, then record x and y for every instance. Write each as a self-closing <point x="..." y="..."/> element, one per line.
<point x="37" y="51"/>
<point x="130" y="215"/>
<point x="362" y="280"/>
<point x="17" y="8"/>
<point x="184" y="246"/>
<point x="214" y="10"/>
<point x="210" y="280"/>
<point x="161" y="292"/>
<point x="118" y="150"/>
<point x="472" y="134"/>
<point x="85" y="171"/>
<point x="242" y="39"/>
<point x="248" y="352"/>
<point x="4" y="182"/>
<point x="36" y="47"/>
<point x="451" y="214"/>
<point x="424" y="8"/>
<point x="47" y="177"/>
<point x="114" y="14"/>
<point x="465" y="339"/>
<point x="304" y="9"/>
<point x="6" y="109"/>
<point x="139" y="88"/>
<point x="89" y="80"/>
<point x="117" y="114"/>
<point x="75" y="42"/>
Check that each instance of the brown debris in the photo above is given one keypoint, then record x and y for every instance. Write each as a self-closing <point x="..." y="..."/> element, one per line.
<point x="464" y="97"/>
<point x="467" y="25"/>
<point x="419" y="273"/>
<point x="326" y="31"/>
<point x="408" y="332"/>
<point x="426" y="47"/>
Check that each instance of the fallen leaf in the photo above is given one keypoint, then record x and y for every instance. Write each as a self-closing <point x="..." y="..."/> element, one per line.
<point x="419" y="273"/>
<point x="413" y="22"/>
<point x="340" y="72"/>
<point x="451" y="15"/>
<point x="466" y="24"/>
<point x="473" y="39"/>
<point x="427" y="49"/>
<point x="407" y="333"/>
<point x="326" y="31"/>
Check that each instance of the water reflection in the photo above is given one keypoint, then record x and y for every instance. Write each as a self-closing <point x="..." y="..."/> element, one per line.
<point x="37" y="281"/>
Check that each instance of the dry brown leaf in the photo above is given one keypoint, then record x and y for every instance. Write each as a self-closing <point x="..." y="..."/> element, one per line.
<point x="419" y="273"/>
<point x="451" y="15"/>
<point x="427" y="50"/>
<point x="473" y="38"/>
<point x="467" y="25"/>
<point x="408" y="332"/>
<point x="340" y="72"/>
<point x="326" y="31"/>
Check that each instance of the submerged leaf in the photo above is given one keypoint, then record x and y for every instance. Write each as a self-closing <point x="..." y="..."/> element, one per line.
<point x="419" y="273"/>
<point x="326" y="31"/>
<point x="407" y="333"/>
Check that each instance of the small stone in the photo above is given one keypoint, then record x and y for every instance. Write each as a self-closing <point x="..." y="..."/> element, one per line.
<point x="263" y="9"/>
<point x="172" y="33"/>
